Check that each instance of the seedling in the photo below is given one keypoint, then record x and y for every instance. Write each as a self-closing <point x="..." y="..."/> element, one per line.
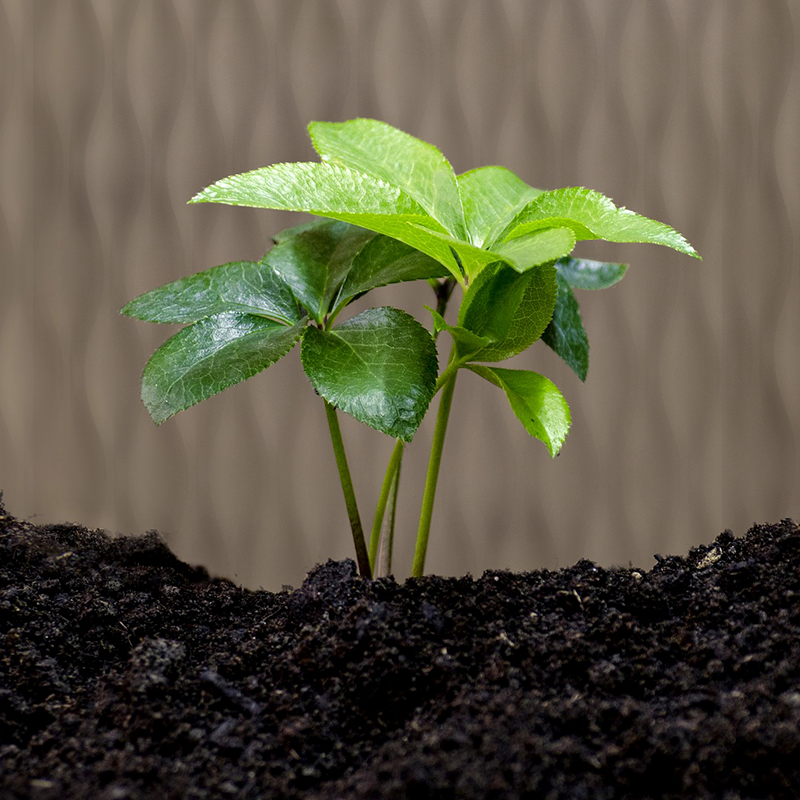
<point x="392" y="210"/>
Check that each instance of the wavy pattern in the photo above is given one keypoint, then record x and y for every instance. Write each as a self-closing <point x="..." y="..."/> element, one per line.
<point x="113" y="114"/>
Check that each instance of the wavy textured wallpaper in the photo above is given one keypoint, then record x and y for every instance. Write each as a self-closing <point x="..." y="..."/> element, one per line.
<point x="113" y="114"/>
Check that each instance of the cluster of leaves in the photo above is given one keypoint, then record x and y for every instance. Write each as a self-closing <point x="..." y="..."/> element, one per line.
<point x="392" y="209"/>
<point x="380" y="365"/>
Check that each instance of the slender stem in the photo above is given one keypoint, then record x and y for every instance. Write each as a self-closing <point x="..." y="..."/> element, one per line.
<point x="388" y="481"/>
<point x="387" y="538"/>
<point x="449" y="372"/>
<point x="391" y="481"/>
<point x="362" y="557"/>
<point x="437" y="447"/>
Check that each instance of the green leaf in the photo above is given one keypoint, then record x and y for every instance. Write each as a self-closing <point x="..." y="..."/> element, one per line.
<point x="591" y="215"/>
<point x="384" y="261"/>
<point x="242" y="286"/>
<point x="380" y="150"/>
<point x="565" y="333"/>
<point x="512" y="308"/>
<point x="204" y="358"/>
<point x="337" y="192"/>
<point x="583" y="274"/>
<point x="315" y="188"/>
<point x="536" y="248"/>
<point x="492" y="197"/>
<point x="536" y="401"/>
<point x="315" y="261"/>
<point x="379" y="366"/>
<point x="466" y="342"/>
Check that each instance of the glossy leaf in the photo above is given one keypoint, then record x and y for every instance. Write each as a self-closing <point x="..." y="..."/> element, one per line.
<point x="511" y="308"/>
<point x="536" y="401"/>
<point x="492" y="197"/>
<point x="591" y="215"/>
<point x="321" y="189"/>
<point x="315" y="261"/>
<point x="337" y="192"/>
<point x="242" y="286"/>
<point x="379" y="366"/>
<point x="581" y="273"/>
<point x="565" y="334"/>
<point x="384" y="152"/>
<point x="204" y="358"/>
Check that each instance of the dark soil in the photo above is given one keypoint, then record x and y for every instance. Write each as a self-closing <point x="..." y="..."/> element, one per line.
<point x="125" y="673"/>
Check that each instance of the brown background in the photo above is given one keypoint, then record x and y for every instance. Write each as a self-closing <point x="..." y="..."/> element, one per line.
<point x="113" y="114"/>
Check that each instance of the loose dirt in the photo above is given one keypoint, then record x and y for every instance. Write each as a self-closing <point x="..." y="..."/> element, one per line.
<point x="126" y="674"/>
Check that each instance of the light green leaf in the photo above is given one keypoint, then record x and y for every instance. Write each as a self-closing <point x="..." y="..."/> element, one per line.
<point x="565" y="334"/>
<point x="512" y="308"/>
<point x="315" y="188"/>
<point x="384" y="261"/>
<point x="536" y="401"/>
<point x="591" y="215"/>
<point x="242" y="286"/>
<point x="337" y="192"/>
<point x="536" y="248"/>
<point x="583" y="274"/>
<point x="492" y="197"/>
<point x="379" y="366"/>
<point x="204" y="358"/>
<point x="466" y="342"/>
<point x="314" y="262"/>
<point x="380" y="150"/>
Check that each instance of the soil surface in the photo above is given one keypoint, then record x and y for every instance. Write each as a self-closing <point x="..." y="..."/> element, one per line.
<point x="126" y="674"/>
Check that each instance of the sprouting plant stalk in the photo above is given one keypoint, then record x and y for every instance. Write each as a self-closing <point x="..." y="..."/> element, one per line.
<point x="442" y="416"/>
<point x="443" y="290"/>
<point x="389" y="480"/>
<point x="387" y="536"/>
<point x="362" y="556"/>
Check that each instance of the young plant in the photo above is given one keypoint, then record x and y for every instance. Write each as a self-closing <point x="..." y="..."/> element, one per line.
<point x="395" y="212"/>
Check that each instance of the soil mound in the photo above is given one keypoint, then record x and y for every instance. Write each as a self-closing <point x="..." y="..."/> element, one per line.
<point x="126" y="674"/>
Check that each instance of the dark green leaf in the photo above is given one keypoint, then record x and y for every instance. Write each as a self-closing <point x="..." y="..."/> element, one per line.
<point x="565" y="333"/>
<point x="512" y="308"/>
<point x="536" y="401"/>
<point x="492" y="197"/>
<point x="242" y="286"/>
<point x="314" y="261"/>
<point x="591" y="215"/>
<point x="583" y="274"/>
<point x="379" y="366"/>
<point x="389" y="154"/>
<point x="204" y="358"/>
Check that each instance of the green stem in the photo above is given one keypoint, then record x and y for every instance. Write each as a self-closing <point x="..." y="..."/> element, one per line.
<point x="362" y="557"/>
<point x="448" y="385"/>
<point x="388" y="480"/>
<point x="387" y="536"/>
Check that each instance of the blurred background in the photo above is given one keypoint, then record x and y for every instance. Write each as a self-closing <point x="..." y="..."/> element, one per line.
<point x="113" y="114"/>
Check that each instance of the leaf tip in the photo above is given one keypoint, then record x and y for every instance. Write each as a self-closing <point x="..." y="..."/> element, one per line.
<point x="200" y="197"/>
